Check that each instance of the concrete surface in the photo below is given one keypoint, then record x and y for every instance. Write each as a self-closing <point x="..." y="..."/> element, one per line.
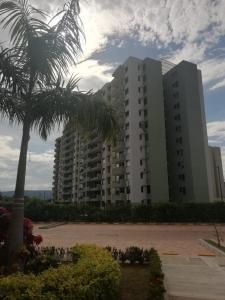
<point x="167" y="239"/>
<point x="194" y="278"/>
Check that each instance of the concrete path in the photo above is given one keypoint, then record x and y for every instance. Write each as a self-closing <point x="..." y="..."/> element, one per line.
<point x="194" y="277"/>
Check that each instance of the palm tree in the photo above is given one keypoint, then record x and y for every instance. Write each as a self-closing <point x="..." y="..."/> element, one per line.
<point x="32" y="91"/>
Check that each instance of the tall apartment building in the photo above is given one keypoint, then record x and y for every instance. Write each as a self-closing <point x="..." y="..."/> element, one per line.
<point x="217" y="173"/>
<point x="187" y="142"/>
<point x="162" y="151"/>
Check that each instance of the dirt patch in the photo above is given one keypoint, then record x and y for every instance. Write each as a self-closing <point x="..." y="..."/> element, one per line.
<point x="134" y="283"/>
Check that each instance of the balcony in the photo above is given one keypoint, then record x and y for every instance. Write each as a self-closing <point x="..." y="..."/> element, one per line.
<point x="118" y="170"/>
<point x="120" y="183"/>
<point x="95" y="178"/>
<point x="118" y="159"/>
<point x="97" y="167"/>
<point x="119" y="146"/>
<point x="93" y="159"/>
<point x="120" y="197"/>
<point x="66" y="178"/>
<point x="95" y="149"/>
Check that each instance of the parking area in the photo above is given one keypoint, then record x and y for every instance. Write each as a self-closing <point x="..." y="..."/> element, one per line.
<point x="167" y="239"/>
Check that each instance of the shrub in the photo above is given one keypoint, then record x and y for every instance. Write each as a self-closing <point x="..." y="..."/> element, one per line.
<point x="135" y="255"/>
<point x="94" y="274"/>
<point x="156" y="285"/>
<point x="165" y="212"/>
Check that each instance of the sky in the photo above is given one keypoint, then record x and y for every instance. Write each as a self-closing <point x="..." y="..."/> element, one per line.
<point x="175" y="30"/>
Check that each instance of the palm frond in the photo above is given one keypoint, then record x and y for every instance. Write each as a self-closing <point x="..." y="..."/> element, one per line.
<point x="19" y="17"/>
<point x="83" y="110"/>
<point x="11" y="107"/>
<point x="12" y="76"/>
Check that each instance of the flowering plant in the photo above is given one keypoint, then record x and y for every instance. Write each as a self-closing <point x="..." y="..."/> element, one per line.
<point x="29" y="238"/>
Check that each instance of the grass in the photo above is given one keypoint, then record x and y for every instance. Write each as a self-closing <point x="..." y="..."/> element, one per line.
<point x="222" y="248"/>
<point x="135" y="282"/>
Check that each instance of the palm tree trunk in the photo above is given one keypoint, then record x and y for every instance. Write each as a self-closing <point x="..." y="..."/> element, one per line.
<point x="16" y="227"/>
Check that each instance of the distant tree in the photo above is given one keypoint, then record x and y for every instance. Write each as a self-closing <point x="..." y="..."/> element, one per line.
<point x="32" y="90"/>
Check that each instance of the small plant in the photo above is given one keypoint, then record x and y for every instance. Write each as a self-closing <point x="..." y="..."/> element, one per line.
<point x="135" y="255"/>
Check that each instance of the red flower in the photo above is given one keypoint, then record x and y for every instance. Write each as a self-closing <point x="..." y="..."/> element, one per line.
<point x="38" y="239"/>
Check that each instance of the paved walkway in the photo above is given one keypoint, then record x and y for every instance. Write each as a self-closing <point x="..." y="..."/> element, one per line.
<point x="194" y="278"/>
<point x="167" y="239"/>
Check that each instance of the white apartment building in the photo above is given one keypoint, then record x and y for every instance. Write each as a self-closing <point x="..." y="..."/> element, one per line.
<point x="162" y="151"/>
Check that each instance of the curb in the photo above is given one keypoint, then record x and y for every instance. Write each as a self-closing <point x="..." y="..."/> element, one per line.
<point x="212" y="248"/>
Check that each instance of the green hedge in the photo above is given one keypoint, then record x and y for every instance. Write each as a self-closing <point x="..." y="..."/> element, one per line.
<point x="156" y="283"/>
<point x="94" y="274"/>
<point x="166" y="212"/>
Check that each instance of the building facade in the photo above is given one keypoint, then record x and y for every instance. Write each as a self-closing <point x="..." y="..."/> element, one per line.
<point x="217" y="173"/>
<point x="161" y="153"/>
<point x="187" y="142"/>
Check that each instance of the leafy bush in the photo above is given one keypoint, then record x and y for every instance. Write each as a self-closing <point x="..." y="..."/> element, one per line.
<point x="156" y="285"/>
<point x="94" y="274"/>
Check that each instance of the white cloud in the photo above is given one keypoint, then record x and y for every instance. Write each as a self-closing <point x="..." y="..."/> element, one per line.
<point x="39" y="166"/>
<point x="194" y="26"/>
<point x="92" y="74"/>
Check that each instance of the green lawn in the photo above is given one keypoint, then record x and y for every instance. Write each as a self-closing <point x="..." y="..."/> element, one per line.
<point x="135" y="282"/>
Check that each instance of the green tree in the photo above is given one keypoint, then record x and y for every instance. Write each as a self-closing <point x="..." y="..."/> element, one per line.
<point x="32" y="90"/>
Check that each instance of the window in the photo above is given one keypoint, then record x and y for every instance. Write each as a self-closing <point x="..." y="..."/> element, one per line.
<point x="127" y="126"/>
<point x="139" y="78"/>
<point x="127" y="137"/>
<point x="126" y="102"/>
<point x="176" y="95"/>
<point x="181" y="177"/>
<point x="139" y="100"/>
<point x="126" y="80"/>
<point x="177" y="117"/>
<point x="127" y="113"/>
<point x="148" y="189"/>
<point x="142" y="189"/>
<point x="146" y="137"/>
<point x="139" y="112"/>
<point x="145" y="89"/>
<point x="128" y="190"/>
<point x="145" y="100"/>
<point x="176" y="106"/>
<point x="145" y="112"/>
<point x="139" y="89"/>
<point x="182" y="190"/>
<point x="175" y="84"/>
<point x="126" y="91"/>
<point x="141" y="175"/>
<point x="180" y="152"/>
<point x="178" y="128"/>
<point x="140" y="136"/>
<point x="179" y="140"/>
<point x="144" y="78"/>
<point x="141" y="162"/>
